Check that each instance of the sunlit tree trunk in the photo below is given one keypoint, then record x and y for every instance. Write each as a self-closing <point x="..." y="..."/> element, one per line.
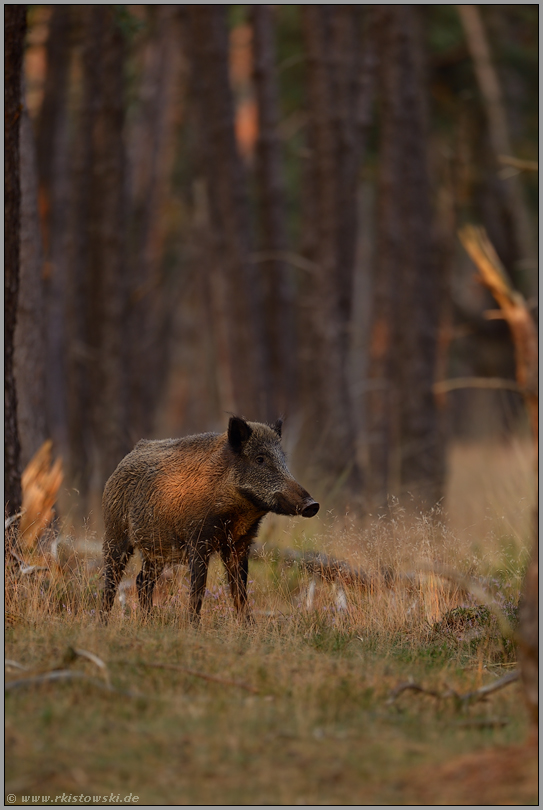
<point x="14" y="32"/>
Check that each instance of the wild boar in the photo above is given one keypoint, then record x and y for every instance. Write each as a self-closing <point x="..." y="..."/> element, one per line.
<point x="180" y="500"/>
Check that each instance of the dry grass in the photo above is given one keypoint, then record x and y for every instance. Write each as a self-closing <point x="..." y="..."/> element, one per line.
<point x="317" y="727"/>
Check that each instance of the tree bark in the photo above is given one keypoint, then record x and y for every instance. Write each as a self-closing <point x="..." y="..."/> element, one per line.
<point x="329" y="289"/>
<point x="278" y="296"/>
<point x="29" y="356"/>
<point x="14" y="33"/>
<point x="226" y="189"/>
<point x="406" y="445"/>
<point x="152" y="154"/>
<point x="53" y="151"/>
<point x="107" y="252"/>
<point x="98" y="430"/>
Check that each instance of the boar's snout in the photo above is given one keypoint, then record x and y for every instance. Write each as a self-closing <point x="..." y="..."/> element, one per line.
<point x="295" y="502"/>
<point x="310" y="509"/>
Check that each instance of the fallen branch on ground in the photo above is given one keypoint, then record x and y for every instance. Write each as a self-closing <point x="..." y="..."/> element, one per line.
<point x="469" y="697"/>
<point x="14" y="665"/>
<point x="66" y="675"/>
<point x="72" y="654"/>
<point x="483" y="691"/>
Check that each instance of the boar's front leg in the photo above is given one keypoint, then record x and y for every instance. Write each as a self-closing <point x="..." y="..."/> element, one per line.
<point x="236" y="562"/>
<point x="198" y="565"/>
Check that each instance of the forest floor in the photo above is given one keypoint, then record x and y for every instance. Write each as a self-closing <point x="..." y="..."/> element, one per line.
<point x="349" y="697"/>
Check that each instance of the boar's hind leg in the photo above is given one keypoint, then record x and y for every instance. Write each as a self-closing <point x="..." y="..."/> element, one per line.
<point x="198" y="565"/>
<point x="116" y="556"/>
<point x="237" y="568"/>
<point x="146" y="581"/>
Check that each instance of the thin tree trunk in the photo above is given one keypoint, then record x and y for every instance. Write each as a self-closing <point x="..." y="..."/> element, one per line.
<point x="79" y="357"/>
<point x="498" y="129"/>
<point x="30" y="366"/>
<point x="279" y="304"/>
<point x="14" y="33"/>
<point x="229" y="212"/>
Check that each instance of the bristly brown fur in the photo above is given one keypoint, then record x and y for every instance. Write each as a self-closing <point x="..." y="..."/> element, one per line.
<point x="180" y="500"/>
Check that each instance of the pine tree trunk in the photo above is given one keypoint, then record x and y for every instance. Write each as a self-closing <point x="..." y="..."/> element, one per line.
<point x="107" y="253"/>
<point x="52" y="143"/>
<point x="98" y="430"/>
<point x="30" y="353"/>
<point x="79" y="357"/>
<point x="278" y="297"/>
<point x="152" y="154"/>
<point x="328" y="291"/>
<point x="234" y="275"/>
<point x="406" y="445"/>
<point x="14" y="33"/>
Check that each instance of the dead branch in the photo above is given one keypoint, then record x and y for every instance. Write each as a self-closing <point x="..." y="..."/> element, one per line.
<point x="516" y="313"/>
<point x="203" y="675"/>
<point x="444" y="386"/>
<point x="483" y="691"/>
<point x="518" y="163"/>
<point x="14" y="665"/>
<point x="66" y="675"/>
<point x="413" y="687"/>
<point x="468" y="697"/>
<point x="498" y="128"/>
<point x="72" y="654"/>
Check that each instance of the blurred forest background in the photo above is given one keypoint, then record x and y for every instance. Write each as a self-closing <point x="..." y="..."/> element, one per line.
<point x="254" y="210"/>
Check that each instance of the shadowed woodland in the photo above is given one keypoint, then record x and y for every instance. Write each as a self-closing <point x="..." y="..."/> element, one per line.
<point x="267" y="211"/>
<point x="255" y="211"/>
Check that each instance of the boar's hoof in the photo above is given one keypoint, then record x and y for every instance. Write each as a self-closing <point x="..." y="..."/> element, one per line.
<point x="310" y="509"/>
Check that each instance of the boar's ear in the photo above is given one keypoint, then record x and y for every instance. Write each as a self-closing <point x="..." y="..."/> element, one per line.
<point x="238" y="432"/>
<point x="277" y="427"/>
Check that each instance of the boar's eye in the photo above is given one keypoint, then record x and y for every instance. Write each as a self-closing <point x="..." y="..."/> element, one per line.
<point x="260" y="459"/>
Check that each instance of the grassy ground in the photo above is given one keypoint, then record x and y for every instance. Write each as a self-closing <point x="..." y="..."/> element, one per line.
<point x="299" y="709"/>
